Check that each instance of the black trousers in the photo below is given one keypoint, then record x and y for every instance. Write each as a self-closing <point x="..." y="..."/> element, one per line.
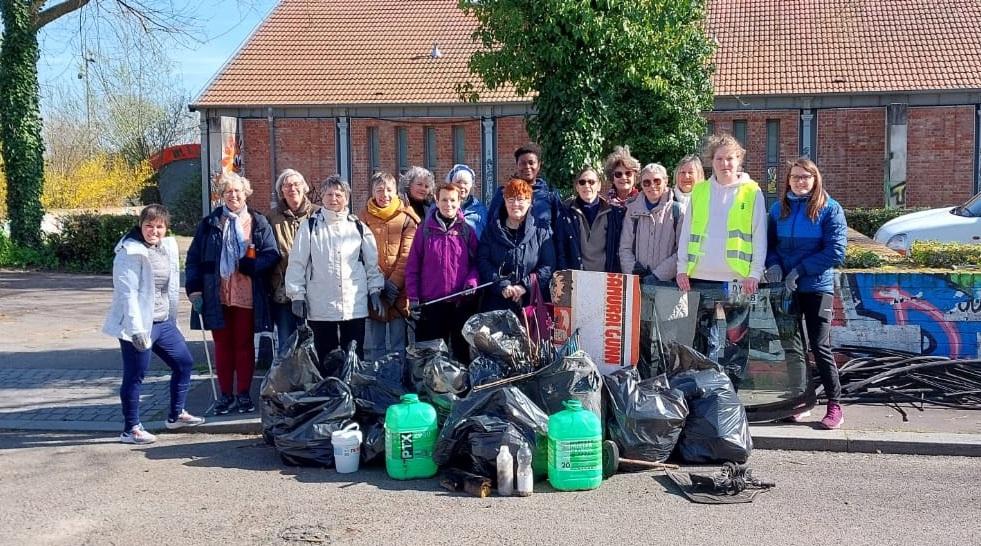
<point x="444" y="321"/>
<point x="329" y="335"/>
<point x="816" y="310"/>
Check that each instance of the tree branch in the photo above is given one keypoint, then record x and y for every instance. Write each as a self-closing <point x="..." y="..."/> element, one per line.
<point x="56" y="11"/>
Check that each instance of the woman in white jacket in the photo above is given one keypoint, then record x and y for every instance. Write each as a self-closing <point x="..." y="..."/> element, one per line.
<point x="143" y="316"/>
<point x="333" y="275"/>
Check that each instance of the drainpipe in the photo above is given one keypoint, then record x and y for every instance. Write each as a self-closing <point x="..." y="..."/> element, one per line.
<point x="344" y="148"/>
<point x="205" y="163"/>
<point x="272" y="155"/>
<point x="488" y="143"/>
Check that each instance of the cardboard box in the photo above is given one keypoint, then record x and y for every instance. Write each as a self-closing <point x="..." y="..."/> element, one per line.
<point x="605" y="307"/>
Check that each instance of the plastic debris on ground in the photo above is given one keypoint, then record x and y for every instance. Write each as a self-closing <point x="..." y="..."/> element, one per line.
<point x="646" y="417"/>
<point x="732" y="484"/>
<point x="716" y="429"/>
<point x="484" y="421"/>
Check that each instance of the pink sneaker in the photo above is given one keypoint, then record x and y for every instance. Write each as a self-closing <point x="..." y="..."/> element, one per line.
<point x="834" y="418"/>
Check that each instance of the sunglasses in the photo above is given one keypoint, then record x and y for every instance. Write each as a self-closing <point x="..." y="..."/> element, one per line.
<point x="586" y="181"/>
<point x="649" y="182"/>
<point x="622" y="174"/>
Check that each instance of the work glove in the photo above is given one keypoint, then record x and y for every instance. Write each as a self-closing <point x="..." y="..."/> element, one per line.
<point x="640" y="270"/>
<point x="197" y="302"/>
<point x="773" y="274"/>
<point x="141" y="342"/>
<point x="375" y="300"/>
<point x="246" y="266"/>
<point x="299" y="308"/>
<point x="415" y="311"/>
<point x="471" y="289"/>
<point x="790" y="281"/>
<point x="390" y="292"/>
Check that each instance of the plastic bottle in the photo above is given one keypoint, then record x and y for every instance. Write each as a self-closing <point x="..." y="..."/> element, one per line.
<point x="250" y="252"/>
<point x="525" y="477"/>
<point x="505" y="472"/>
<point x="410" y="437"/>
<point x="575" y="453"/>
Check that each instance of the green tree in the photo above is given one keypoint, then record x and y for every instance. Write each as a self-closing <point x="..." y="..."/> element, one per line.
<point x="603" y="72"/>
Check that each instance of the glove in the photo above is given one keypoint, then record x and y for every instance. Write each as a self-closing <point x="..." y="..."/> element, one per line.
<point x="471" y="289"/>
<point x="141" y="342"/>
<point x="390" y="292"/>
<point x="246" y="266"/>
<point x="773" y="274"/>
<point x="640" y="270"/>
<point x="299" y="308"/>
<point x="197" y="302"/>
<point x="790" y="281"/>
<point x="375" y="301"/>
<point x="415" y="312"/>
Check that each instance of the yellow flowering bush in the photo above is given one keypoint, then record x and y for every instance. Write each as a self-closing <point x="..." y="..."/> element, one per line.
<point x="100" y="181"/>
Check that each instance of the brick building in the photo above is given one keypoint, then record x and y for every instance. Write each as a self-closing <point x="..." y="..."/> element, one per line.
<point x="886" y="96"/>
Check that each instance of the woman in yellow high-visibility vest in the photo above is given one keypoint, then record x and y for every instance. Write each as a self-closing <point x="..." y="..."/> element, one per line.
<point x="723" y="239"/>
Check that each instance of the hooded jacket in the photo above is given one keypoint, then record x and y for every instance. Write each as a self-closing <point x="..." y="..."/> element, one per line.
<point x="201" y="270"/>
<point x="442" y="260"/>
<point x="593" y="247"/>
<point x="131" y="311"/>
<point x="813" y="248"/>
<point x="650" y="237"/>
<point x="284" y="224"/>
<point x="504" y="262"/>
<point x="333" y="267"/>
<point x="474" y="212"/>
<point x="393" y="237"/>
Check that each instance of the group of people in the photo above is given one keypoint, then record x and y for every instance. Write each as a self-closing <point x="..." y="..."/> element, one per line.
<point x="420" y="258"/>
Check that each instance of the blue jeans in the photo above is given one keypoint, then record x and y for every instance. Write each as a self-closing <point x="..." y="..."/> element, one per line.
<point x="285" y="321"/>
<point x="382" y="338"/>
<point x="169" y="345"/>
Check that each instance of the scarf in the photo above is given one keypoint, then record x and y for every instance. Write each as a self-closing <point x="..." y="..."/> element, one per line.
<point x="611" y="196"/>
<point x="387" y="212"/>
<point x="232" y="242"/>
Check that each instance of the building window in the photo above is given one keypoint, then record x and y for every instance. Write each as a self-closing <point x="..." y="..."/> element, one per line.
<point x="739" y="130"/>
<point x="431" y="147"/>
<point x="459" y="145"/>
<point x="772" y="156"/>
<point x="709" y="129"/>
<point x="401" y="150"/>
<point x="374" y="161"/>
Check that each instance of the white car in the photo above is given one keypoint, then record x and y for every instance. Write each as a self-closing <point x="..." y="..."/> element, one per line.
<point x="949" y="225"/>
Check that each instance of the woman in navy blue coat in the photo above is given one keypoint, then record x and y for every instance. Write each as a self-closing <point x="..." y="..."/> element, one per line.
<point x="807" y="235"/>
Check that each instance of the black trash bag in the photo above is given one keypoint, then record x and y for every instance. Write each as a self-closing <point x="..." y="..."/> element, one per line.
<point x="376" y="386"/>
<point x="314" y="415"/>
<point x="499" y="335"/>
<point x="340" y="363"/>
<point x="646" y="416"/>
<point x="717" y="429"/>
<point x="373" y="440"/>
<point x="484" y="370"/>
<point x="294" y="371"/>
<point x="485" y="420"/>
<point x="573" y="377"/>
<point x="436" y="376"/>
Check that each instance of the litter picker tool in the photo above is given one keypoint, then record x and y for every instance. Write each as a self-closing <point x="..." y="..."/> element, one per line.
<point x="211" y="373"/>
<point x="456" y="294"/>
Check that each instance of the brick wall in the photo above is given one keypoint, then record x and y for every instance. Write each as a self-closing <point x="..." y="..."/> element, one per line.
<point x="511" y="134"/>
<point x="940" y="155"/>
<point x="851" y="148"/>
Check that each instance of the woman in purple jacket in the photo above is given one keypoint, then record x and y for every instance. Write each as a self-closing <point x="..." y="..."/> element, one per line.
<point x="442" y="261"/>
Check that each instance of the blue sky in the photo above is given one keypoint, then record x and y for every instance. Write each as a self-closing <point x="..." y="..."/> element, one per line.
<point x="222" y="27"/>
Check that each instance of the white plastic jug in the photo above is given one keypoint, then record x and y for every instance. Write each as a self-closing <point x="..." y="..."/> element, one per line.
<point x="347" y="448"/>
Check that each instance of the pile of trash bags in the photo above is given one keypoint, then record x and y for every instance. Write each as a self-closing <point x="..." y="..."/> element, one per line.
<point x="503" y="396"/>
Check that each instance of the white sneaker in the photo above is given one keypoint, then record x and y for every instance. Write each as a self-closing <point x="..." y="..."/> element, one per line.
<point x="137" y="435"/>
<point x="184" y="420"/>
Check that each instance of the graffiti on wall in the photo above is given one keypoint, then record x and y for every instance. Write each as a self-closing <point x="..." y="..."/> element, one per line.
<point x="925" y="313"/>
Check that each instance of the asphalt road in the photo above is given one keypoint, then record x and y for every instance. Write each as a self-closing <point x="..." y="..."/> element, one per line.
<point x="200" y="489"/>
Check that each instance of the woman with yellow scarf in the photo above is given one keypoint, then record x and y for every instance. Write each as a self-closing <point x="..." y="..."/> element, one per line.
<point x="393" y="223"/>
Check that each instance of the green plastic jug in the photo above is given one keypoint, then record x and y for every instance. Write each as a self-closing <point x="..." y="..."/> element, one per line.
<point x="410" y="436"/>
<point x="575" y="448"/>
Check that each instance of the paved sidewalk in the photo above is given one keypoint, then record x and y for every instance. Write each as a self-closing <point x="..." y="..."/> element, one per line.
<point x="59" y="372"/>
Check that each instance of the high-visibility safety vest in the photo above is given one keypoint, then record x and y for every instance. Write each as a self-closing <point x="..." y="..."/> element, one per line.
<point x="739" y="225"/>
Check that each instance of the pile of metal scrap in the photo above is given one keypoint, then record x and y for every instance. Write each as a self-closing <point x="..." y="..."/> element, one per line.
<point x="878" y="375"/>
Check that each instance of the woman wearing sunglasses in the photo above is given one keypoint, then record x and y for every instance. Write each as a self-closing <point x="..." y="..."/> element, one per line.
<point x="649" y="242"/>
<point x="595" y="225"/>
<point x="621" y="170"/>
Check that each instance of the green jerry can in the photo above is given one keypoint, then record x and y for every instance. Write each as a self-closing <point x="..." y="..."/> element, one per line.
<point x="575" y="448"/>
<point x="410" y="437"/>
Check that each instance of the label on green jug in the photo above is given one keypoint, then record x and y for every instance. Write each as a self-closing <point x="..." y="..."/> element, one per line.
<point x="405" y="445"/>
<point x="410" y="445"/>
<point x="577" y="455"/>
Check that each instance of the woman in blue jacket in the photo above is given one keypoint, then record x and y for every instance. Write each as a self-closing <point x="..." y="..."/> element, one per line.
<point x="807" y="235"/>
<point x="227" y="281"/>
<point x="512" y="249"/>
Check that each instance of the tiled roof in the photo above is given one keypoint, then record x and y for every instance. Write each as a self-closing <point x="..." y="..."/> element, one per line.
<point x="791" y="47"/>
<point x="375" y="52"/>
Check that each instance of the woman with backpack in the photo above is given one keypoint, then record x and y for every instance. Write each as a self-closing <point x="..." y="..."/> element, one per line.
<point x="442" y="261"/>
<point x="649" y="240"/>
<point x="393" y="224"/>
<point x="332" y="275"/>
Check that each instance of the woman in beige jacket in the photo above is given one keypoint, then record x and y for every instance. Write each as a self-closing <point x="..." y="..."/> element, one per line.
<point x="649" y="241"/>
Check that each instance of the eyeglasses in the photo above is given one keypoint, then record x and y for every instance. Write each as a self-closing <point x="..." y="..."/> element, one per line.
<point x="291" y="185"/>
<point x="517" y="200"/>
<point x="801" y="177"/>
<point x="622" y="174"/>
<point x="651" y="182"/>
<point x="586" y="181"/>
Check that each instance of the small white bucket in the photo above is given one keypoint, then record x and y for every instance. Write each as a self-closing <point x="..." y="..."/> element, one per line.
<point x="347" y="448"/>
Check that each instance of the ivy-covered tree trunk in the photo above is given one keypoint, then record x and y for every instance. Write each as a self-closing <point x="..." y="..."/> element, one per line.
<point x="20" y="121"/>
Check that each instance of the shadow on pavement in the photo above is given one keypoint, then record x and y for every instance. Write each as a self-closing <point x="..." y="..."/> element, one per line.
<point x="30" y="439"/>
